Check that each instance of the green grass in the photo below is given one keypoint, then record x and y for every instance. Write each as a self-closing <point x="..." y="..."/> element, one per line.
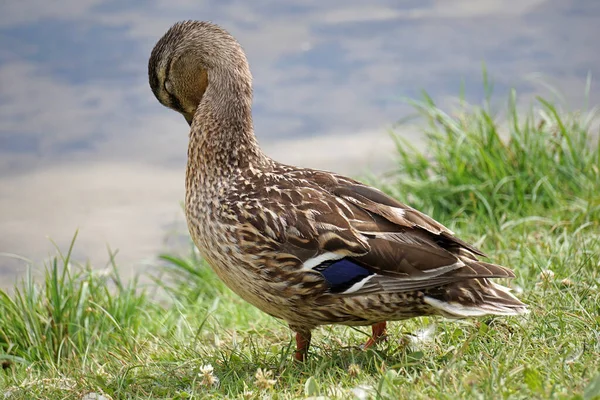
<point x="527" y="191"/>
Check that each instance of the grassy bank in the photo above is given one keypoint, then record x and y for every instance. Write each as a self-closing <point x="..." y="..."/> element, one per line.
<point x="526" y="191"/>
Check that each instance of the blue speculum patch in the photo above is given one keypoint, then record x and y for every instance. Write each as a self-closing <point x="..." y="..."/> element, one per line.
<point x="342" y="274"/>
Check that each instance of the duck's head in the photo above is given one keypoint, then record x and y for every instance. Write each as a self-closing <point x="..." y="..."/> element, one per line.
<point x="192" y="57"/>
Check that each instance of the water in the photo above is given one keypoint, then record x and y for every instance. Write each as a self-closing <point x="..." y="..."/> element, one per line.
<point x="84" y="144"/>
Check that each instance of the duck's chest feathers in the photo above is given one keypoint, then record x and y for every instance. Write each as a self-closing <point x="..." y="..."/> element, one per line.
<point x="239" y="254"/>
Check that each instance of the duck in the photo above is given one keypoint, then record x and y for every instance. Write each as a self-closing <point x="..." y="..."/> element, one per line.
<point x="307" y="246"/>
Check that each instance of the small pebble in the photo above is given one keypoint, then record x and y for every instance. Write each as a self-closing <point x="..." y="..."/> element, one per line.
<point x="95" y="396"/>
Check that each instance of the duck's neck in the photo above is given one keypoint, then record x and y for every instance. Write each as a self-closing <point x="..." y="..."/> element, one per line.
<point x="222" y="141"/>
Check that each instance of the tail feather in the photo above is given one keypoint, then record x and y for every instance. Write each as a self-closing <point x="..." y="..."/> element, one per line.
<point x="474" y="298"/>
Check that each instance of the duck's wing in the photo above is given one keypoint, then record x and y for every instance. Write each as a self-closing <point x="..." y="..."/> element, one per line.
<point x="359" y="240"/>
<point x="408" y="250"/>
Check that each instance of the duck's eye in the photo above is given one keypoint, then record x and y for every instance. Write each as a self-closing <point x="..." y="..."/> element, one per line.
<point x="169" y="87"/>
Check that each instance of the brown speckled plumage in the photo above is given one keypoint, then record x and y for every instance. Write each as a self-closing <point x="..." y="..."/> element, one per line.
<point x="310" y="247"/>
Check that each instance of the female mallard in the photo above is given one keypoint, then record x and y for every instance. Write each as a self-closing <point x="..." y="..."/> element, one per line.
<point x="310" y="247"/>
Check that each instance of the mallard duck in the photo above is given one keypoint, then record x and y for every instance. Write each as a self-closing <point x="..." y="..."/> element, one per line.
<point x="307" y="246"/>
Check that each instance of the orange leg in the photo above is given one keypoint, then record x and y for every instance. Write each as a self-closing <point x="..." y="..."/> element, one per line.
<point x="302" y="345"/>
<point x="378" y="334"/>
